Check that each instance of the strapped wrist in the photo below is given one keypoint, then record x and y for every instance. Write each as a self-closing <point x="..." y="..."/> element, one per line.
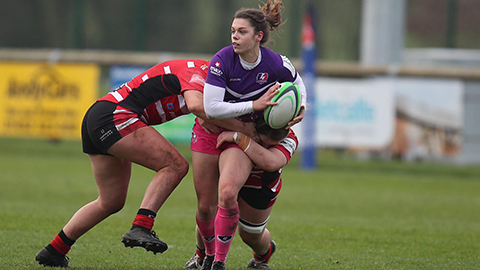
<point x="242" y="140"/>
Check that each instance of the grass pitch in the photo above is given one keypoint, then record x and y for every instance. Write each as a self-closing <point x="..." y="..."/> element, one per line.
<point x="347" y="214"/>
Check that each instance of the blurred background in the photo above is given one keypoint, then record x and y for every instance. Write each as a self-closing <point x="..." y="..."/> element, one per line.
<point x="391" y="79"/>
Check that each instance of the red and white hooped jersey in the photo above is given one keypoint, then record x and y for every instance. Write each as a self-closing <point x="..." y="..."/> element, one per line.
<point x="259" y="178"/>
<point x="156" y="97"/>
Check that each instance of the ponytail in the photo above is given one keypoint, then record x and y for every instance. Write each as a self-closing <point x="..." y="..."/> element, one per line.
<point x="267" y="18"/>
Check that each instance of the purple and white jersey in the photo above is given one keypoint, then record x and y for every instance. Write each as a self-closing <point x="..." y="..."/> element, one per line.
<point x="240" y="81"/>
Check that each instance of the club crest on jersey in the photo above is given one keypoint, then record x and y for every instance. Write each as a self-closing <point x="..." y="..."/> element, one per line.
<point x="194" y="137"/>
<point x="262" y="77"/>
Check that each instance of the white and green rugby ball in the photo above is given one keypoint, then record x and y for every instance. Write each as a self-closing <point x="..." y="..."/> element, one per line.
<point x="289" y="102"/>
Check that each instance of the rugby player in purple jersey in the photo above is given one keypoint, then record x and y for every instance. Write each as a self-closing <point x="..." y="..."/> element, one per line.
<point x="241" y="81"/>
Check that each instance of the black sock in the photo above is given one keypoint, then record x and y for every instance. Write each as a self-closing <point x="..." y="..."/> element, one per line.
<point x="146" y="212"/>
<point x="65" y="239"/>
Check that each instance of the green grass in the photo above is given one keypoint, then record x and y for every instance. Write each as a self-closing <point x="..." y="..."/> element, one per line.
<point x="348" y="214"/>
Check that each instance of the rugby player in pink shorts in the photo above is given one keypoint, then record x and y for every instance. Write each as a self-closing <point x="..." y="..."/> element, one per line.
<point x="241" y="81"/>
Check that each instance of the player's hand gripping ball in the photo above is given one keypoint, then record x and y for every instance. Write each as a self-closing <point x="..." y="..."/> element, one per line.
<point x="289" y="102"/>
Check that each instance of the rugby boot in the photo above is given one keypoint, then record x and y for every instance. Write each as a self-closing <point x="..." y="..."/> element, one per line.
<point x="49" y="256"/>
<point x="195" y="262"/>
<point x="263" y="264"/>
<point x="141" y="237"/>
<point x="218" y="265"/>
<point x="207" y="262"/>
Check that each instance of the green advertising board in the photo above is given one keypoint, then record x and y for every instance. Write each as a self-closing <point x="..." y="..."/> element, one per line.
<point x="179" y="130"/>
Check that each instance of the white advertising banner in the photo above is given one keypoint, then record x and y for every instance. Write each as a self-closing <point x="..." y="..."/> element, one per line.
<point x="352" y="113"/>
<point x="429" y="117"/>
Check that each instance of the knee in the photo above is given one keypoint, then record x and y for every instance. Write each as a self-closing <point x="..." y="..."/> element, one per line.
<point x="112" y="207"/>
<point x="115" y="210"/>
<point x="251" y="239"/>
<point x="180" y="166"/>
<point x="207" y="200"/>
<point x="206" y="211"/>
<point x="227" y="197"/>
<point x="177" y="167"/>
<point x="183" y="167"/>
<point x="180" y="169"/>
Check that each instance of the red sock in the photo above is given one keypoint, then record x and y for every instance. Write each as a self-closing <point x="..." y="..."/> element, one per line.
<point x="226" y="223"/>
<point x="144" y="218"/>
<point x="207" y="230"/>
<point x="265" y="257"/>
<point x="144" y="221"/>
<point x="62" y="243"/>
<point x="200" y="253"/>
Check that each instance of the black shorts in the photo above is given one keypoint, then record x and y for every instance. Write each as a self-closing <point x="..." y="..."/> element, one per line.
<point x="261" y="199"/>
<point x="99" y="130"/>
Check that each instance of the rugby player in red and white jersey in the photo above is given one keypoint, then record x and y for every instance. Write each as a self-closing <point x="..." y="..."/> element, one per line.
<point x="259" y="193"/>
<point x="116" y="132"/>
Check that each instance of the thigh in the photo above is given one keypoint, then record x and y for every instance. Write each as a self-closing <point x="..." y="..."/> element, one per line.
<point x="146" y="147"/>
<point x="112" y="176"/>
<point x="205" y="178"/>
<point x="252" y="215"/>
<point x="205" y="175"/>
<point x="235" y="167"/>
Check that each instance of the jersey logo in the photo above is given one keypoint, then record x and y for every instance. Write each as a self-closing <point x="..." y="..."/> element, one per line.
<point x="197" y="79"/>
<point x="167" y="70"/>
<point x="216" y="71"/>
<point x="217" y="64"/>
<point x="262" y="77"/>
<point x="105" y="135"/>
<point x="194" y="140"/>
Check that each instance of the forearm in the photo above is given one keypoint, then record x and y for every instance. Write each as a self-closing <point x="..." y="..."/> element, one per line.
<point x="216" y="108"/>
<point x="194" y="100"/>
<point x="234" y="124"/>
<point x="269" y="159"/>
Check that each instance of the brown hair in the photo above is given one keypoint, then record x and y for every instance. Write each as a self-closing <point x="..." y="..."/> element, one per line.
<point x="265" y="19"/>
<point x="273" y="134"/>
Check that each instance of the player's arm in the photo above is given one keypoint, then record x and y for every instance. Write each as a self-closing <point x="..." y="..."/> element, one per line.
<point x="298" y="81"/>
<point x="269" y="159"/>
<point x="216" y="108"/>
<point x="194" y="100"/>
<point x="303" y="90"/>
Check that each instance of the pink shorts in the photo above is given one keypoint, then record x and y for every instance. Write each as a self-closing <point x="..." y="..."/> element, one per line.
<point x="203" y="142"/>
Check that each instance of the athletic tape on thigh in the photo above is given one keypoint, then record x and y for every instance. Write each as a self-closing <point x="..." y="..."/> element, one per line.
<point x="252" y="227"/>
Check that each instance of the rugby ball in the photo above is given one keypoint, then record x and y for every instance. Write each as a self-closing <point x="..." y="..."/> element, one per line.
<point x="289" y="102"/>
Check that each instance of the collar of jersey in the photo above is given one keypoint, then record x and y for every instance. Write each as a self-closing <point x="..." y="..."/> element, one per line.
<point x="250" y="66"/>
